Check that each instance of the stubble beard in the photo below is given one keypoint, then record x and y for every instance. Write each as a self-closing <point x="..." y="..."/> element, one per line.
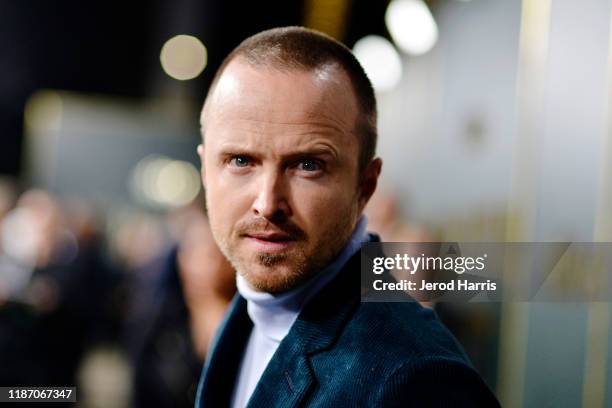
<point x="278" y="273"/>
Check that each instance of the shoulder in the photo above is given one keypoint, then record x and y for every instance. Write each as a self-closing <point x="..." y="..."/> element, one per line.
<point x="413" y="357"/>
<point x="434" y="381"/>
<point x="403" y="328"/>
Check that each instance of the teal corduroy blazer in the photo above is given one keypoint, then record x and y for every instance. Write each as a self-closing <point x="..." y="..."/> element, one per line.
<point x="342" y="352"/>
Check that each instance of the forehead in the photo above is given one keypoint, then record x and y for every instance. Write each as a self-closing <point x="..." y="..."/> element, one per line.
<point x="321" y="97"/>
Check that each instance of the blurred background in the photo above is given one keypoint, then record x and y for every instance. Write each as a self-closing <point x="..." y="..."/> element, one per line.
<point x="494" y="122"/>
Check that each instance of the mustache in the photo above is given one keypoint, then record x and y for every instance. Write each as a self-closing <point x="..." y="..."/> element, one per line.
<point x="259" y="225"/>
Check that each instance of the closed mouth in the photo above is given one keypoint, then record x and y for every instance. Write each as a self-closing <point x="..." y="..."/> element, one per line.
<point x="273" y="237"/>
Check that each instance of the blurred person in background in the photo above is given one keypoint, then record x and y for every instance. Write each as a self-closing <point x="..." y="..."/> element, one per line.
<point x="58" y="292"/>
<point x="288" y="163"/>
<point x="384" y="217"/>
<point x="177" y="302"/>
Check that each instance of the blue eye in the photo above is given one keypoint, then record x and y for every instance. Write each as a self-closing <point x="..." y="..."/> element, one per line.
<point x="240" y="161"/>
<point x="309" y="165"/>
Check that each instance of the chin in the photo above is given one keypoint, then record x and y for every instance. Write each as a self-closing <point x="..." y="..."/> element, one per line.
<point x="274" y="279"/>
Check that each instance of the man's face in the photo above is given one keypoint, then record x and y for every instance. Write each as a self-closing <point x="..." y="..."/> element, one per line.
<point x="279" y="164"/>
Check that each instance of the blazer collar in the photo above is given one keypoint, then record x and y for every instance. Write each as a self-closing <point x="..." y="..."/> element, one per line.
<point x="288" y="376"/>
<point x="221" y="367"/>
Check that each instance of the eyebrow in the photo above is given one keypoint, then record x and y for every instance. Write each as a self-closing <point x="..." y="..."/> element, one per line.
<point x="317" y="150"/>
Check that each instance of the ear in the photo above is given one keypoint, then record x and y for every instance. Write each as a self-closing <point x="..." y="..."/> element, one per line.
<point x="200" y="150"/>
<point x="369" y="182"/>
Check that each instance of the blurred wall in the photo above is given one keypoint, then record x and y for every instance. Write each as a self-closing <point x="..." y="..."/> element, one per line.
<point x="447" y="130"/>
<point x="502" y="133"/>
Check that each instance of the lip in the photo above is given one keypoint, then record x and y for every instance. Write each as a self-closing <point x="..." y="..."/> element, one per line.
<point x="270" y="236"/>
<point x="270" y="242"/>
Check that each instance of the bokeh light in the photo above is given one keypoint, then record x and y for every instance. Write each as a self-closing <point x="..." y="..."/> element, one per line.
<point x="183" y="57"/>
<point x="161" y="182"/>
<point x="380" y="60"/>
<point x="411" y="26"/>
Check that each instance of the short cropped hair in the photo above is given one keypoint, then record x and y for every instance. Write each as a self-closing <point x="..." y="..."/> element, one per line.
<point x="301" y="48"/>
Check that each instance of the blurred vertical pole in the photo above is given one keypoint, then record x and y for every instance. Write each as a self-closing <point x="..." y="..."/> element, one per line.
<point x="560" y="356"/>
<point x="328" y="16"/>
<point x="530" y="106"/>
<point x="598" y="324"/>
<point x="596" y="359"/>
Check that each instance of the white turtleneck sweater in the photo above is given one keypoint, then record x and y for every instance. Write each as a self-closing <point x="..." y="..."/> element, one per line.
<point x="273" y="316"/>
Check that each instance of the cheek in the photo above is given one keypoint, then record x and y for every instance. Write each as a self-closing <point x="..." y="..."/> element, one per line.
<point x="318" y="207"/>
<point x="226" y="204"/>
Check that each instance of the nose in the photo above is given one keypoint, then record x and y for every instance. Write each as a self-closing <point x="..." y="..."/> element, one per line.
<point x="271" y="200"/>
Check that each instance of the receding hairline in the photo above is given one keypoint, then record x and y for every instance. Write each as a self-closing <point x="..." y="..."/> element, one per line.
<point x="331" y="72"/>
<point x="287" y="49"/>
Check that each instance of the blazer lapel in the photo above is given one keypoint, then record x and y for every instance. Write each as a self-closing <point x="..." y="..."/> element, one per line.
<point x="288" y="376"/>
<point x="220" y="371"/>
